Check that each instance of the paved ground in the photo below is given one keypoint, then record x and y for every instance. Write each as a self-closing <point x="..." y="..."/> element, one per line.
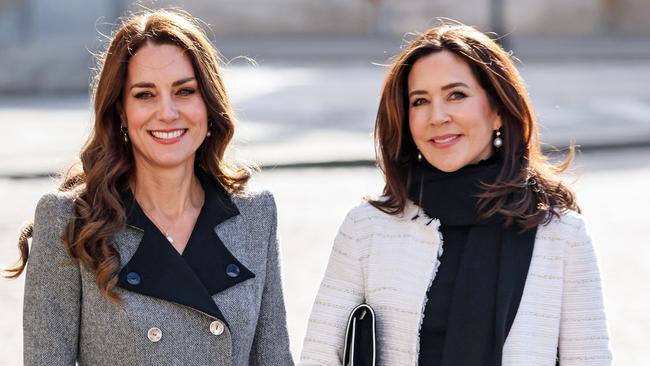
<point x="612" y="188"/>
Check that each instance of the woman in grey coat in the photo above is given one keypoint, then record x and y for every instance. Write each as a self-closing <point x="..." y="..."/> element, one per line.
<point x="154" y="252"/>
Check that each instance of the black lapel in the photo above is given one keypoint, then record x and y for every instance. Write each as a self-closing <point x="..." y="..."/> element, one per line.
<point x="210" y="259"/>
<point x="516" y="254"/>
<point x="156" y="269"/>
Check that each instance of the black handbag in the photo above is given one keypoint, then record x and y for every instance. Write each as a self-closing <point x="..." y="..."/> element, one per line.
<point x="360" y="347"/>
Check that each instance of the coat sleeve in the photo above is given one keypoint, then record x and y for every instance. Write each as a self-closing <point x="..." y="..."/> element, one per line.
<point x="584" y="338"/>
<point x="341" y="290"/>
<point x="271" y="342"/>
<point x="52" y="290"/>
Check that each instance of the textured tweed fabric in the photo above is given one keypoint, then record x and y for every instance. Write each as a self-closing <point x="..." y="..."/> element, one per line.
<point x="66" y="320"/>
<point x="390" y="261"/>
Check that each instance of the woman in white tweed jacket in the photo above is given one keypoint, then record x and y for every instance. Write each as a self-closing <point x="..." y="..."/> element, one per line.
<point x="155" y="252"/>
<point x="476" y="253"/>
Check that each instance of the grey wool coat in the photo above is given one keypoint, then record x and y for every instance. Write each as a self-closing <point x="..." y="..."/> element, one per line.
<point x="173" y="319"/>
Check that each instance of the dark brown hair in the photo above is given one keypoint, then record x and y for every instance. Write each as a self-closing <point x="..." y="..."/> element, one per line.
<point x="107" y="162"/>
<point x="527" y="190"/>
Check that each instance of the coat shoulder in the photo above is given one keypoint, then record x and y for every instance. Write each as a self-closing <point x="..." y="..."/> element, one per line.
<point x="257" y="209"/>
<point x="568" y="223"/>
<point x="55" y="206"/>
<point x="366" y="220"/>
<point x="563" y="234"/>
<point x="365" y="210"/>
<point x="255" y="199"/>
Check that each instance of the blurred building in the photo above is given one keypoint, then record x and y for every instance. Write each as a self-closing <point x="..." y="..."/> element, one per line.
<point x="46" y="44"/>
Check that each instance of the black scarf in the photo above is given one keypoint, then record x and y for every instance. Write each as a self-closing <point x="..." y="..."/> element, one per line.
<point x="493" y="267"/>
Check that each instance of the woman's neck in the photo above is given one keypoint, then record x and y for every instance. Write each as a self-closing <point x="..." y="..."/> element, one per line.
<point x="170" y="192"/>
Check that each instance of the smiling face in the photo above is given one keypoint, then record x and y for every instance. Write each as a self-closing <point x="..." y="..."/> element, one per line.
<point x="450" y="117"/>
<point x="164" y="110"/>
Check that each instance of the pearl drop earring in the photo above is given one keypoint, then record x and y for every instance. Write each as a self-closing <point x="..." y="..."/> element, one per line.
<point x="498" y="141"/>
<point x="125" y="133"/>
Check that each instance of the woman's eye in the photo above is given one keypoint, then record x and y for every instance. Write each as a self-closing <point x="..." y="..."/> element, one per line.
<point x="144" y="95"/>
<point x="457" y="95"/>
<point x="418" y="101"/>
<point x="186" y="91"/>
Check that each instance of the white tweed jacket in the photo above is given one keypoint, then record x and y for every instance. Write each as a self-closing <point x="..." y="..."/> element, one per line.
<point x="390" y="261"/>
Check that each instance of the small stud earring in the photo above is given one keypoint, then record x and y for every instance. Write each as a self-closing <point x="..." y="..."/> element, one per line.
<point x="125" y="133"/>
<point x="419" y="157"/>
<point x="209" y="128"/>
<point x="498" y="141"/>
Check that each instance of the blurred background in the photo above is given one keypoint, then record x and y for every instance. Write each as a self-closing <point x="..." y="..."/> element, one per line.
<point x="307" y="106"/>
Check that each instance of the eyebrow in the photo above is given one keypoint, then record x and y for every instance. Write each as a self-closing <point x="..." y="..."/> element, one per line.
<point x="445" y="87"/>
<point x="145" y="84"/>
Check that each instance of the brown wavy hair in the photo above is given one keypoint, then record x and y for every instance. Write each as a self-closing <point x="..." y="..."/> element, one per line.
<point x="527" y="190"/>
<point x="107" y="162"/>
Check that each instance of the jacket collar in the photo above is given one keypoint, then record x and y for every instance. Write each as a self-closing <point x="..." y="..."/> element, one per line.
<point x="152" y="267"/>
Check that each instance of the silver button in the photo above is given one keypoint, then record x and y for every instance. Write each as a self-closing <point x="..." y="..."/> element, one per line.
<point x="217" y="327"/>
<point x="154" y="334"/>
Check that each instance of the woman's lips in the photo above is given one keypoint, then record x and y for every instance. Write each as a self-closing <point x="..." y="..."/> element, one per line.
<point x="445" y="141"/>
<point x="167" y="136"/>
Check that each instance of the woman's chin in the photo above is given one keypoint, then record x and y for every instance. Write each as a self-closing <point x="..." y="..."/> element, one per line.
<point x="166" y="162"/>
<point x="447" y="166"/>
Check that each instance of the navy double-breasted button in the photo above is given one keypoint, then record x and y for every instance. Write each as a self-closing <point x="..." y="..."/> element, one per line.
<point x="133" y="278"/>
<point x="232" y="270"/>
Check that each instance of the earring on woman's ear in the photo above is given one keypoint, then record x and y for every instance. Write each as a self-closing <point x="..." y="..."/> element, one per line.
<point x="419" y="157"/>
<point x="124" y="133"/>
<point x="498" y="141"/>
<point x="209" y="128"/>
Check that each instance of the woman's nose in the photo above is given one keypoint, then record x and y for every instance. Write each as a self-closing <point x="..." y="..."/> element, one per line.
<point x="439" y="113"/>
<point x="167" y="110"/>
